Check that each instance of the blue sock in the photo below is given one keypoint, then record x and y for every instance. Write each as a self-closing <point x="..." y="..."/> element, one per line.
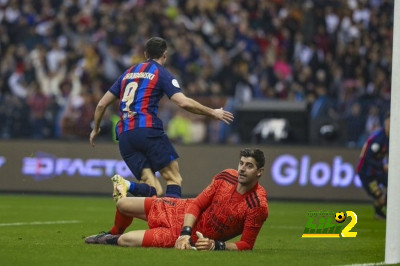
<point x="141" y="189"/>
<point x="173" y="191"/>
<point x="132" y="187"/>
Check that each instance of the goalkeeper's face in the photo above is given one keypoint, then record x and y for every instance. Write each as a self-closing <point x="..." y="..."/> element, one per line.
<point x="248" y="173"/>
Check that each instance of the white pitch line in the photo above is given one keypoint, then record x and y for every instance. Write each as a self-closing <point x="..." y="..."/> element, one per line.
<point x="366" y="264"/>
<point x="40" y="223"/>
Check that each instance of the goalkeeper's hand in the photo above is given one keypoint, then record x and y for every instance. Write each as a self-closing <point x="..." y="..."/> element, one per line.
<point x="204" y="243"/>
<point x="183" y="242"/>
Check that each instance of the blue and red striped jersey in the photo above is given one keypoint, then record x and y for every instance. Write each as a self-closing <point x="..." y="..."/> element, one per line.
<point x="373" y="154"/>
<point x="140" y="89"/>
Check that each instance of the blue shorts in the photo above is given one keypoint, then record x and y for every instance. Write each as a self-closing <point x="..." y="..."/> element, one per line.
<point x="146" y="148"/>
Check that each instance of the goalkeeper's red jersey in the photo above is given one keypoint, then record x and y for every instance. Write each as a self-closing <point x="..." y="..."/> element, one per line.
<point x="223" y="214"/>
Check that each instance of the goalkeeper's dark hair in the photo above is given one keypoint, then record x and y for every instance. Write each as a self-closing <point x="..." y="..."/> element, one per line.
<point x="155" y="47"/>
<point x="257" y="154"/>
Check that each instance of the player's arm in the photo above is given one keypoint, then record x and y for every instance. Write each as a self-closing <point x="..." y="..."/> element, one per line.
<point x="184" y="240"/>
<point x="195" y="208"/>
<point x="204" y="243"/>
<point x="101" y="107"/>
<point x="252" y="226"/>
<point x="195" y="107"/>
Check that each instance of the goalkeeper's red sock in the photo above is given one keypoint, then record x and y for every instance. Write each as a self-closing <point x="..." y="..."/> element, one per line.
<point x="121" y="222"/>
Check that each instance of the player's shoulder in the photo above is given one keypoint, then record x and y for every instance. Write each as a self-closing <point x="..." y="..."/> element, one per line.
<point x="257" y="198"/>
<point x="232" y="172"/>
<point x="377" y="138"/>
<point x="382" y="135"/>
<point x="262" y="192"/>
<point x="161" y="69"/>
<point x="227" y="175"/>
<point x="378" y="134"/>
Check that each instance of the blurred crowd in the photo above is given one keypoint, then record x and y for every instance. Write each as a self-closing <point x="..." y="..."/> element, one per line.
<point x="57" y="58"/>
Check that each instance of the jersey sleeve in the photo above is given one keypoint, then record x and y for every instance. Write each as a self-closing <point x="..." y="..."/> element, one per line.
<point x="115" y="89"/>
<point x="169" y="83"/>
<point x="252" y="226"/>
<point x="203" y="200"/>
<point x="373" y="150"/>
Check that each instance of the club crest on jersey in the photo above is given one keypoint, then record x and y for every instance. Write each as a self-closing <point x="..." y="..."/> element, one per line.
<point x="175" y="83"/>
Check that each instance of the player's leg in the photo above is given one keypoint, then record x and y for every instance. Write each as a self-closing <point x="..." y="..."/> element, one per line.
<point x="121" y="222"/>
<point x="373" y="189"/>
<point x="164" y="223"/>
<point x="173" y="179"/>
<point x="156" y="237"/>
<point x="149" y="178"/>
<point x="132" y="239"/>
<point x="160" y="237"/>
<point x="164" y="218"/>
<point x="132" y="207"/>
<point x="122" y="186"/>
<point x="127" y="209"/>
<point x="379" y="205"/>
<point x="163" y="158"/>
<point x="130" y="149"/>
<point x="381" y="199"/>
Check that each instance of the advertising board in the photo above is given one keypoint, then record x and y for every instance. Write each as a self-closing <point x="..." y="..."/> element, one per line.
<point x="291" y="172"/>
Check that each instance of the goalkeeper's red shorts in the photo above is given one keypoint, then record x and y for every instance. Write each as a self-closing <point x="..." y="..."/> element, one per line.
<point x="165" y="219"/>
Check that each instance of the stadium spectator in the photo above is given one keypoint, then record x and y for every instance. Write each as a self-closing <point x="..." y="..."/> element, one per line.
<point x="38" y="104"/>
<point x="355" y="123"/>
<point x="373" y="120"/>
<point x="373" y="167"/>
<point x="350" y="40"/>
<point x="179" y="128"/>
<point x="324" y="105"/>
<point x="233" y="204"/>
<point x="143" y="144"/>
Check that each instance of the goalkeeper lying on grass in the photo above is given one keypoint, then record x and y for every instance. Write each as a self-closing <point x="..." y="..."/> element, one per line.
<point x="233" y="204"/>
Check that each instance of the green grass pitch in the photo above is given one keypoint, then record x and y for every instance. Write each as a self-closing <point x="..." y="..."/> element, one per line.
<point x="49" y="230"/>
